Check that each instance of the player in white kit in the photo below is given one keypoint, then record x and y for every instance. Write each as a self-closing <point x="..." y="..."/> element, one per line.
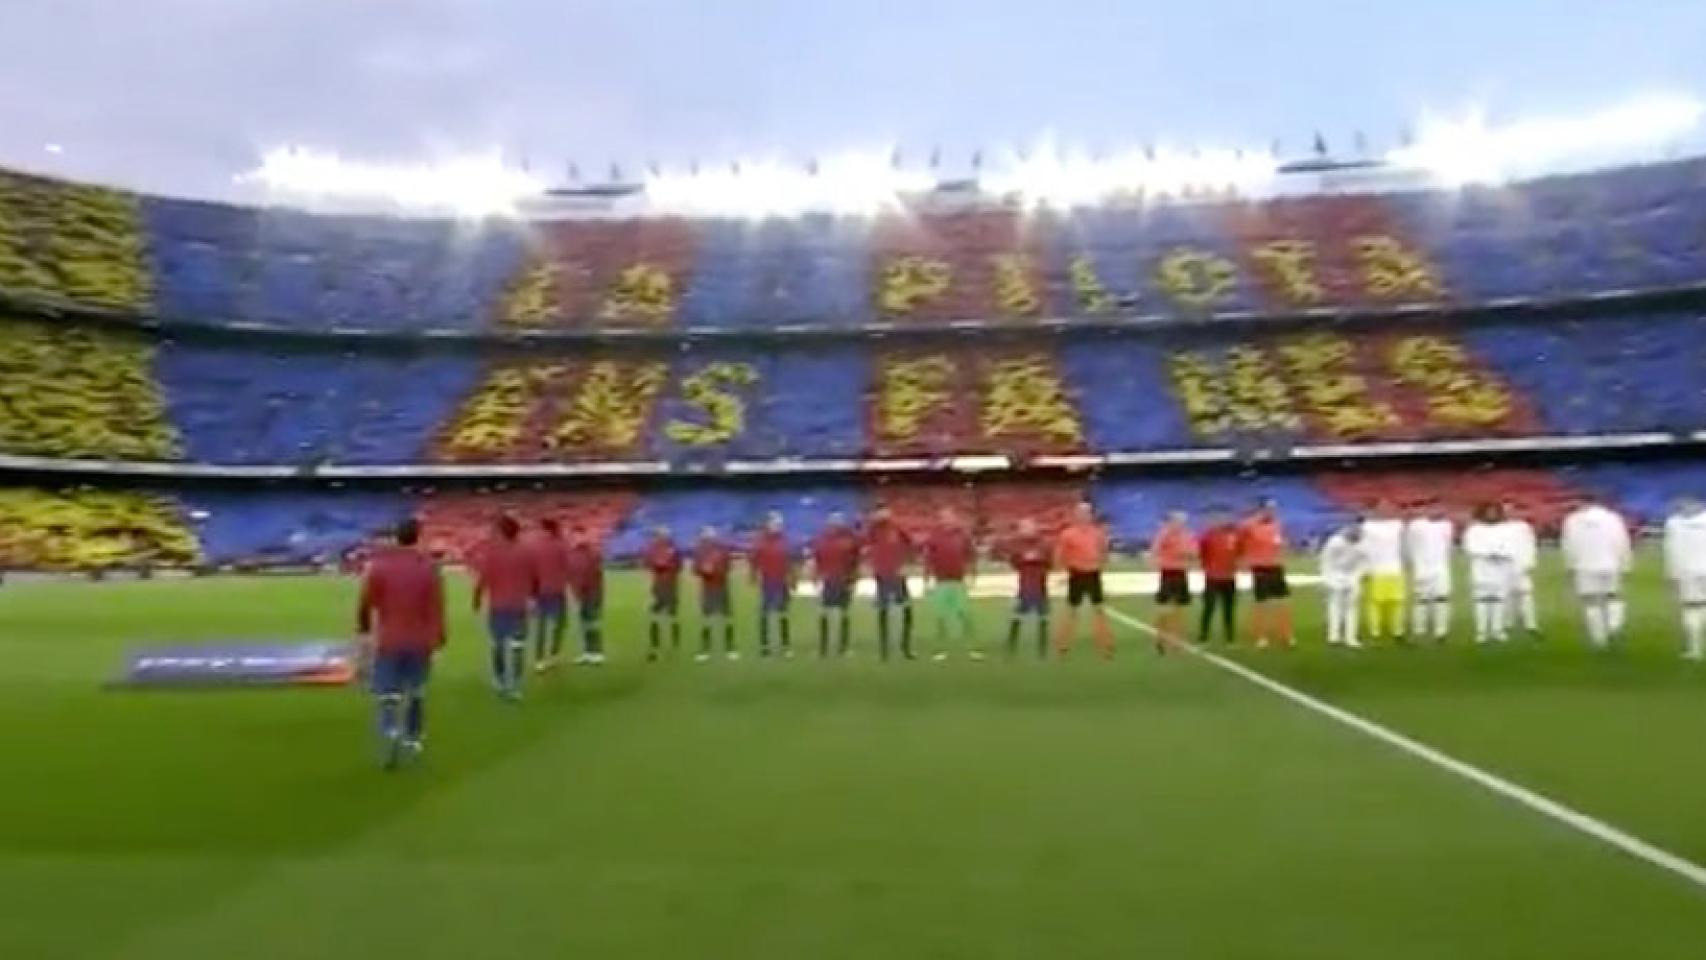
<point x="1491" y="563"/>
<point x="1428" y="539"/>
<point x="1383" y="543"/>
<point x="1343" y="565"/>
<point x="1685" y="564"/>
<point x="1596" y="550"/>
<point x="1524" y="554"/>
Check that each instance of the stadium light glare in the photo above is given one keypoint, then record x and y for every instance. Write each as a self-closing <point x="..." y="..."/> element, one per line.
<point x="853" y="183"/>
<point x="1469" y="150"/>
<point x="1048" y="176"/>
<point x="471" y="185"/>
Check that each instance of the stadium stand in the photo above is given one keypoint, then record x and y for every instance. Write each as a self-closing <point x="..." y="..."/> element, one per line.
<point x="849" y="360"/>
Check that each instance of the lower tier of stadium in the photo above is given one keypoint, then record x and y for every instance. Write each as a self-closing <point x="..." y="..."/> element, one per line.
<point x="70" y="527"/>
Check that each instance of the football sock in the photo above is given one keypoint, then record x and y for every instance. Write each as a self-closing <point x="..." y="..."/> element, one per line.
<point x="414" y="722"/>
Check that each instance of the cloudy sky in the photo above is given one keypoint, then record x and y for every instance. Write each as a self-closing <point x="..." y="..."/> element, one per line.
<point x="179" y="95"/>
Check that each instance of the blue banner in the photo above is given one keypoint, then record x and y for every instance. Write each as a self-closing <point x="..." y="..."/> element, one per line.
<point x="313" y="663"/>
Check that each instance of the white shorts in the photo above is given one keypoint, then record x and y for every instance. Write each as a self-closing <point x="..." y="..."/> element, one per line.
<point x="1522" y="584"/>
<point x="1691" y="588"/>
<point x="1598" y="583"/>
<point x="1430" y="585"/>
<point x="1343" y="592"/>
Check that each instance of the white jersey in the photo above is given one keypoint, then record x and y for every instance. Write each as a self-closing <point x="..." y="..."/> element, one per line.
<point x="1427" y="545"/>
<point x="1491" y="562"/>
<point x="1343" y="563"/>
<point x="1595" y="541"/>
<point x="1524" y="549"/>
<point x="1383" y="543"/>
<point x="1685" y="545"/>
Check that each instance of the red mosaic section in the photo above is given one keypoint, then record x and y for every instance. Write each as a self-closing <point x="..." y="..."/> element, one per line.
<point x="527" y="411"/>
<point x="996" y="508"/>
<point x="454" y="523"/>
<point x="1540" y="496"/>
<point x="1342" y="251"/>
<point x="956" y="265"/>
<point x="937" y="402"/>
<point x="603" y="273"/>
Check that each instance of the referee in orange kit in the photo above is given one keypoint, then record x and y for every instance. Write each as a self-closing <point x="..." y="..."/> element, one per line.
<point x="1082" y="551"/>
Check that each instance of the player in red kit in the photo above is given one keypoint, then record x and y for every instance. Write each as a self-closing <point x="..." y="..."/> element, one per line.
<point x="504" y="584"/>
<point x="1218" y="552"/>
<point x="550" y="607"/>
<point x="835" y="562"/>
<point x="401" y="619"/>
<point x="772" y="563"/>
<point x="890" y="549"/>
<point x="663" y="559"/>
<point x="586" y="581"/>
<point x="1031" y="557"/>
<point x="949" y="556"/>
<point x="1262" y="545"/>
<point x="711" y="562"/>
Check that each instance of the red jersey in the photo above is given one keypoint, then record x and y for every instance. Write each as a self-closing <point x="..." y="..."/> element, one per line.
<point x="1262" y="543"/>
<point x="711" y="562"/>
<point x="504" y="576"/>
<point x="664" y="561"/>
<point x="835" y="554"/>
<point x="770" y="558"/>
<point x="550" y="565"/>
<point x="889" y="549"/>
<point x="1219" y="552"/>
<point x="403" y="589"/>
<point x="948" y="554"/>
<point x="1173" y="548"/>
<point x="586" y="568"/>
<point x="1031" y="560"/>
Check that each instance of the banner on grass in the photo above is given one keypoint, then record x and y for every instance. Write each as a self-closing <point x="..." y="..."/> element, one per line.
<point x="313" y="663"/>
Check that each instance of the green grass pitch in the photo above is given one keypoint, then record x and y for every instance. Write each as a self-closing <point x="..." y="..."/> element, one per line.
<point x="1141" y="808"/>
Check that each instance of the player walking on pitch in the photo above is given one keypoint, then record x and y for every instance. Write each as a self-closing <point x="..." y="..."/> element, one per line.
<point x="1492" y="563"/>
<point x="1596" y="549"/>
<point x="1525" y="553"/>
<point x="772" y="565"/>
<point x="1081" y="550"/>
<point x="1172" y="549"/>
<point x="1428" y="542"/>
<point x="1344" y="564"/>
<point x="949" y="556"/>
<point x="663" y="559"/>
<point x="890" y="548"/>
<point x="711" y="562"/>
<point x="1383" y="542"/>
<point x="400" y="618"/>
<point x="1030" y="558"/>
<point x="503" y="586"/>
<point x="1263" y="547"/>
<point x="550" y="607"/>
<point x="1685" y="564"/>
<point x="835" y="564"/>
<point x="586" y="582"/>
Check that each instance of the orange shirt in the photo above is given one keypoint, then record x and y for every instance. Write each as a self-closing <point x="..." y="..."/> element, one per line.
<point x="1081" y="548"/>
<point x="1262" y="542"/>
<point x="1173" y="547"/>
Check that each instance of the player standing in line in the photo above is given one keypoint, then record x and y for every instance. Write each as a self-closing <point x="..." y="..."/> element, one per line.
<point x="890" y="549"/>
<point x="586" y="581"/>
<point x="711" y="562"/>
<point x="1263" y="548"/>
<point x="1171" y="549"/>
<point x="1525" y="552"/>
<point x="772" y="568"/>
<point x="404" y="592"/>
<point x="1383" y="542"/>
<point x="835" y="564"/>
<point x="503" y="586"/>
<point x="1030" y="558"/>
<point x="949" y="556"/>
<point x="1685" y="564"/>
<point x="1343" y="567"/>
<point x="1492" y="563"/>
<point x="550" y="607"/>
<point x="1428" y="542"/>
<point x="1596" y="549"/>
<point x="1217" y="553"/>
<point x="1081" y="549"/>
<point x="663" y="559"/>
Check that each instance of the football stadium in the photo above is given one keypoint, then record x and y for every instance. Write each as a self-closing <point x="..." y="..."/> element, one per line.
<point x="820" y="562"/>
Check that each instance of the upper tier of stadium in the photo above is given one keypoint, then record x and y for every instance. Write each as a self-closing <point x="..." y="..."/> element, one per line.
<point x="1614" y="233"/>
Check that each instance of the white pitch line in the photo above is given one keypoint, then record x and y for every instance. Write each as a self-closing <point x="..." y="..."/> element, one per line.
<point x="1539" y="803"/>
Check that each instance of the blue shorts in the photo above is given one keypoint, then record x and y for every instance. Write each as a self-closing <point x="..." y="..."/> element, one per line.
<point x="774" y="597"/>
<point x="837" y="594"/>
<point x="714" y="601"/>
<point x="591" y="605"/>
<point x="1036" y="603"/>
<point x="400" y="673"/>
<point x="666" y="598"/>
<point x="550" y="606"/>
<point x="507" y="625"/>
<point x="892" y="591"/>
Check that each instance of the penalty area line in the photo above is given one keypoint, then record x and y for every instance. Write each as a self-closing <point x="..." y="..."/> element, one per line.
<point x="1539" y="803"/>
